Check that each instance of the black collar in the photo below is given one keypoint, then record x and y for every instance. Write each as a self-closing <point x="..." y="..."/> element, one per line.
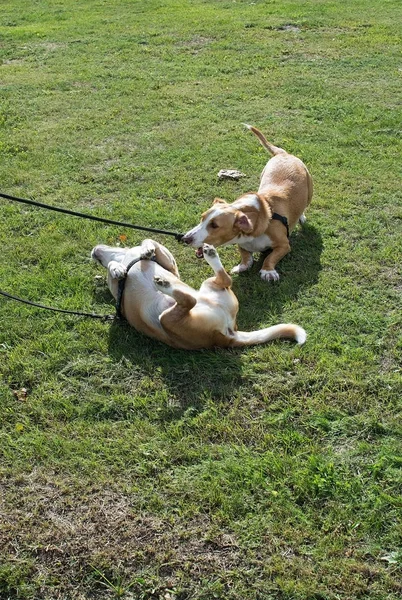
<point x="122" y="285"/>
<point x="283" y="220"/>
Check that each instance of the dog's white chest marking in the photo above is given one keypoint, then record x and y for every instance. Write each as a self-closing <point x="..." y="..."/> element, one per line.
<point x="251" y="244"/>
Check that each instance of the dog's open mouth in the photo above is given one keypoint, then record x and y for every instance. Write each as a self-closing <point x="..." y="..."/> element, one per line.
<point x="199" y="252"/>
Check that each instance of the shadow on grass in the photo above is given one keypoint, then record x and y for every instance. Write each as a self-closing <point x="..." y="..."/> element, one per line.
<point x="261" y="303"/>
<point x="193" y="377"/>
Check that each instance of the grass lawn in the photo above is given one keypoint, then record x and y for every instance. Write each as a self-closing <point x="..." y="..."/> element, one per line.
<point x="132" y="470"/>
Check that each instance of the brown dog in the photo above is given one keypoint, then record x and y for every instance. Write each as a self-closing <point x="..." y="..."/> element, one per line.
<point x="262" y="220"/>
<point x="157" y="303"/>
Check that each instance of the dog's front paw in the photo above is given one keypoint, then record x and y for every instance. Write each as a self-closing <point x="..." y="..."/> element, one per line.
<point x="241" y="268"/>
<point x="209" y="250"/>
<point x="147" y="250"/>
<point x="162" y="284"/>
<point x="269" y="275"/>
<point x="117" y="270"/>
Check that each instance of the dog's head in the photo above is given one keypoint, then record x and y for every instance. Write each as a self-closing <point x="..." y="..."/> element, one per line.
<point x="219" y="225"/>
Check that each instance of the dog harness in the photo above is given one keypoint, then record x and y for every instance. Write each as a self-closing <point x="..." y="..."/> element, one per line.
<point x="122" y="284"/>
<point x="283" y="220"/>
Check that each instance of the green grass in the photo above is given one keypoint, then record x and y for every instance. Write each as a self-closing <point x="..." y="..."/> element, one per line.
<point x="132" y="470"/>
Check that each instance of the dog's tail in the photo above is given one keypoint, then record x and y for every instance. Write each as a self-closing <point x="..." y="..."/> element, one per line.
<point x="270" y="147"/>
<point x="284" y="330"/>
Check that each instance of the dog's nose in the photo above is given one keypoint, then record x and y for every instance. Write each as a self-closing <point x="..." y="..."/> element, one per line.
<point x="187" y="239"/>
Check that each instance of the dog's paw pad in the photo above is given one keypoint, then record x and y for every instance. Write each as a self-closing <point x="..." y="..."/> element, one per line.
<point x="147" y="254"/>
<point x="269" y="275"/>
<point x="209" y="250"/>
<point x="161" y="282"/>
<point x="147" y="251"/>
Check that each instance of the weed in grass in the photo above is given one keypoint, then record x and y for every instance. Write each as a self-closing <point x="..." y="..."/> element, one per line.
<point x="118" y="587"/>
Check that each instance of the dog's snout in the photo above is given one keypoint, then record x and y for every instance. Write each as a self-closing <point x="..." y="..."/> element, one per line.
<point x="187" y="239"/>
<point x="96" y="252"/>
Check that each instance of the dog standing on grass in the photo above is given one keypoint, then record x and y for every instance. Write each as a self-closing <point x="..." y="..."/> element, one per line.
<point x="156" y="302"/>
<point x="261" y="220"/>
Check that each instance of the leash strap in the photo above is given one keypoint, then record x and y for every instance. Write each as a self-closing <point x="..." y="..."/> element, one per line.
<point x="61" y="310"/>
<point x="178" y="236"/>
<point x="119" y="299"/>
<point x="283" y="220"/>
<point x="122" y="284"/>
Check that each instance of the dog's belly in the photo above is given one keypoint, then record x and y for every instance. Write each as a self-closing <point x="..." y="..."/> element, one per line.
<point x="258" y="244"/>
<point x="141" y="299"/>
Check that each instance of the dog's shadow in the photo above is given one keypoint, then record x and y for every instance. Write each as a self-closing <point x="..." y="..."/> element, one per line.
<point x="180" y="378"/>
<point x="193" y="377"/>
<point x="259" y="300"/>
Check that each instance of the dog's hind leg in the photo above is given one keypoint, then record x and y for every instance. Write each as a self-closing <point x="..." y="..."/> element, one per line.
<point x="173" y="319"/>
<point x="179" y="292"/>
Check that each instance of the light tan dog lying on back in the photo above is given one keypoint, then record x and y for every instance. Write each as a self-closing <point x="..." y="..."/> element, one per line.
<point x="157" y="303"/>
<point x="262" y="220"/>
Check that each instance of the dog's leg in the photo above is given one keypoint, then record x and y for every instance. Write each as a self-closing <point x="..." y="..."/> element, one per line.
<point x="302" y="219"/>
<point x="181" y="293"/>
<point x="268" y="271"/>
<point x="176" y="319"/>
<point x="147" y="249"/>
<point x="221" y="280"/>
<point x="218" y="290"/>
<point x="116" y="270"/>
<point x="246" y="261"/>
<point x="163" y="257"/>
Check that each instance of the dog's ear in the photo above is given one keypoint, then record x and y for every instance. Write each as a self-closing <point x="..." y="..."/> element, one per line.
<point x="243" y="222"/>
<point x="219" y="201"/>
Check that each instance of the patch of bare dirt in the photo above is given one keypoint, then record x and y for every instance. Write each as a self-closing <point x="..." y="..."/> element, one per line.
<point x="66" y="533"/>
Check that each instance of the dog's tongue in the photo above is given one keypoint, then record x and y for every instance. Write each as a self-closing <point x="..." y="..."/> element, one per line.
<point x="199" y="253"/>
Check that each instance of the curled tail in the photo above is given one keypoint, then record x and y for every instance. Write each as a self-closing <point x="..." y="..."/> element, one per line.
<point x="284" y="330"/>
<point x="270" y="147"/>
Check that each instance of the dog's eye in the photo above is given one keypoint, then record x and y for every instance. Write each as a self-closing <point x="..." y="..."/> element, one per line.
<point x="213" y="225"/>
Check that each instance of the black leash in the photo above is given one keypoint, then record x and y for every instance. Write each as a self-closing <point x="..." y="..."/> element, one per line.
<point x="69" y="312"/>
<point x="119" y="299"/>
<point x="178" y="236"/>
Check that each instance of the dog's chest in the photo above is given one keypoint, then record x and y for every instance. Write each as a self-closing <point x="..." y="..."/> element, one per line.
<point x="252" y="244"/>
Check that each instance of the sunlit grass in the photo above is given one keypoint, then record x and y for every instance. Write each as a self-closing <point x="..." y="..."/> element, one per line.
<point x="128" y="467"/>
